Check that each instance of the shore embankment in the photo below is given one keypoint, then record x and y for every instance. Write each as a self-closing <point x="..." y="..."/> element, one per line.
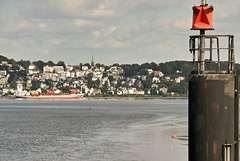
<point x="135" y="97"/>
<point x="117" y="97"/>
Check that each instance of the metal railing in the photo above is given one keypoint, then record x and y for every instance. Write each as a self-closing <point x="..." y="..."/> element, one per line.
<point x="213" y="50"/>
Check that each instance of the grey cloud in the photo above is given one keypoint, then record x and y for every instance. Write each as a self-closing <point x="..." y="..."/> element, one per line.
<point x="132" y="30"/>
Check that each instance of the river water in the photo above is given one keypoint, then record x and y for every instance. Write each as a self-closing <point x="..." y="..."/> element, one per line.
<point x="93" y="129"/>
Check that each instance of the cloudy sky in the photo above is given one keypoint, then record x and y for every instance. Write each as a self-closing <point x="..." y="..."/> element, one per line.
<point x="122" y="31"/>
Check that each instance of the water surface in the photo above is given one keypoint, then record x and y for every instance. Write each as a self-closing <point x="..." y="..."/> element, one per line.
<point x="124" y="129"/>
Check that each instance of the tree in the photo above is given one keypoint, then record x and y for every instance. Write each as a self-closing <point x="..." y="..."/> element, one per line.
<point x="148" y="83"/>
<point x="24" y="63"/>
<point x="145" y="66"/>
<point x="154" y="66"/>
<point x="110" y="78"/>
<point x="105" y="88"/>
<point x="13" y="77"/>
<point x="143" y="71"/>
<point x="35" y="85"/>
<point x="39" y="64"/>
<point x="116" y="64"/>
<point x="76" y="67"/>
<point x="3" y="58"/>
<point x="61" y="63"/>
<point x="105" y="74"/>
<point x="100" y="65"/>
<point x="12" y="61"/>
<point x="89" y="80"/>
<point x="88" y="65"/>
<point x="130" y="70"/>
<point x="80" y="66"/>
<point x="50" y="63"/>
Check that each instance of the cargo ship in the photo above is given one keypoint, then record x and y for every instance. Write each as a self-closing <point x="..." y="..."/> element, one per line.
<point x="50" y="95"/>
<point x="64" y="96"/>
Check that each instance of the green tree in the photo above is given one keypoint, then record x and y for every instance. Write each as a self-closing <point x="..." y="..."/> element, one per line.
<point x="145" y="66"/>
<point x="39" y="64"/>
<point x="12" y="61"/>
<point x="61" y="63"/>
<point x="35" y="85"/>
<point x="76" y="67"/>
<point x="3" y="58"/>
<point x="143" y="71"/>
<point x="88" y="65"/>
<point x="110" y="78"/>
<point x="116" y="64"/>
<point x="148" y="83"/>
<point x="105" y="88"/>
<point x="154" y="66"/>
<point x="24" y="63"/>
<point x="50" y="63"/>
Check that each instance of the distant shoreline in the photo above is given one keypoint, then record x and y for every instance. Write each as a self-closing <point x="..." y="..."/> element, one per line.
<point x="134" y="97"/>
<point x="117" y="97"/>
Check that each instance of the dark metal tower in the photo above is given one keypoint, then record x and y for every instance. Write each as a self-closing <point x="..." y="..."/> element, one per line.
<point x="213" y="93"/>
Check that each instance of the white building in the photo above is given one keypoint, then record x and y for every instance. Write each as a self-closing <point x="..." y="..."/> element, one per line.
<point x="85" y="68"/>
<point x="31" y="67"/>
<point x="80" y="73"/>
<point x="58" y="69"/>
<point x="167" y="78"/>
<point x="155" y="80"/>
<point x="135" y="91"/>
<point x="3" y="72"/>
<point x="19" y="87"/>
<point x="179" y="79"/>
<point x="97" y="75"/>
<point x="47" y="69"/>
<point x="164" y="90"/>
<point x="150" y="71"/>
<point x="72" y="74"/>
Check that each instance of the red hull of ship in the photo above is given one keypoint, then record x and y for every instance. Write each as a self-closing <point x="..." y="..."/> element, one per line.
<point x="54" y="98"/>
<point x="51" y="97"/>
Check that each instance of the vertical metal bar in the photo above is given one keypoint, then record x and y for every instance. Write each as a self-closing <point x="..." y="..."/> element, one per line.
<point x="211" y="53"/>
<point x="199" y="61"/>
<point x="233" y="55"/>
<point x="236" y="120"/>
<point x="229" y="55"/>
<point x="203" y="2"/>
<point x="194" y="53"/>
<point x="202" y="51"/>
<point x="218" y="54"/>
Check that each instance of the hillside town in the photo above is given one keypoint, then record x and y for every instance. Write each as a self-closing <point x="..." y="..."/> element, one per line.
<point x="88" y="80"/>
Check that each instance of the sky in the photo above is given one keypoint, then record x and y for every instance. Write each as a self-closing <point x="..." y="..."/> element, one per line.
<point x="112" y="31"/>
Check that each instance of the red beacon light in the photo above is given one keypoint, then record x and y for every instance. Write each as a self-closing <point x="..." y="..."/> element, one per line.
<point x="202" y="17"/>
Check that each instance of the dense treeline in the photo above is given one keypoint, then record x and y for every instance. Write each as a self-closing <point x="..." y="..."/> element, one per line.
<point x="168" y="68"/>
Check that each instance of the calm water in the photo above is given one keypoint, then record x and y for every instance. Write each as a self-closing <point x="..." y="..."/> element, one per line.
<point x="111" y="130"/>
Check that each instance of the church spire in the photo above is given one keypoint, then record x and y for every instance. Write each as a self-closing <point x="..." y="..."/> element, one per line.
<point x="92" y="63"/>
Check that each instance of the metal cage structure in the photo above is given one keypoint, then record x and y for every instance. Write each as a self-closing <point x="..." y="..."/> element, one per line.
<point x="201" y="65"/>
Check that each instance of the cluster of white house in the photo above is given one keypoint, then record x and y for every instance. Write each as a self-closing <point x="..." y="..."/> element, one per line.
<point x="75" y="78"/>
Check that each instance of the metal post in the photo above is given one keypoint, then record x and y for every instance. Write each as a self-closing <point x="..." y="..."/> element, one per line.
<point x="194" y="52"/>
<point x="211" y="41"/>
<point x="202" y="51"/>
<point x="229" y="55"/>
<point x="218" y="54"/>
<point x="203" y="2"/>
